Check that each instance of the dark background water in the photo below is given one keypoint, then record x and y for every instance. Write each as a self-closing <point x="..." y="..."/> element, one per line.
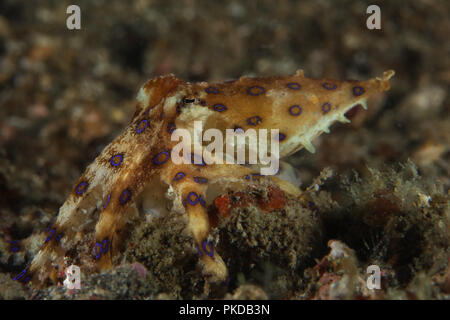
<point x="65" y="94"/>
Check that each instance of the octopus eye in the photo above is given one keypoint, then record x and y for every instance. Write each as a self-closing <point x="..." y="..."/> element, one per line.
<point x="188" y="100"/>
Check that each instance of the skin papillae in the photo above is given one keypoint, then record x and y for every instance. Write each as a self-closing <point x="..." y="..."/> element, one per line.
<point x="135" y="174"/>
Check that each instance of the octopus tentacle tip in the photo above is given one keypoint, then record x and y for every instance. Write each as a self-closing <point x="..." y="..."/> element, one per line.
<point x="388" y="74"/>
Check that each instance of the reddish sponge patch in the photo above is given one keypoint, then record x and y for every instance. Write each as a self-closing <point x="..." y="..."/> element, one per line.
<point x="222" y="204"/>
<point x="276" y="200"/>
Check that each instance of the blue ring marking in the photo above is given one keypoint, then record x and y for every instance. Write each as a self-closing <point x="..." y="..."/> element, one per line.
<point x="210" y="246"/>
<point x="171" y="127"/>
<point x="194" y="157"/>
<point x="295" y="110"/>
<point x="294" y="85"/>
<point x="192" y="202"/>
<point x="254" y="175"/>
<point x="180" y="175"/>
<point x="127" y="195"/>
<point x="281" y="136"/>
<point x="98" y="253"/>
<point x="156" y="158"/>
<point x="259" y="90"/>
<point x="200" y="180"/>
<point x="247" y="177"/>
<point x="326" y="107"/>
<point x="50" y="236"/>
<point x="253" y="121"/>
<point x="82" y="185"/>
<point x="105" y="249"/>
<point x="219" y="107"/>
<point x="212" y="90"/>
<point x="202" y="201"/>
<point x="13" y="249"/>
<point x="329" y="85"/>
<point x="20" y="275"/>
<point x="138" y="129"/>
<point x="198" y="250"/>
<point x="114" y="162"/>
<point x="108" y="197"/>
<point x="357" y="91"/>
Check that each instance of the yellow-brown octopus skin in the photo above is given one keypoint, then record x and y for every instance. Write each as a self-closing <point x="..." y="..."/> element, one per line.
<point x="135" y="171"/>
